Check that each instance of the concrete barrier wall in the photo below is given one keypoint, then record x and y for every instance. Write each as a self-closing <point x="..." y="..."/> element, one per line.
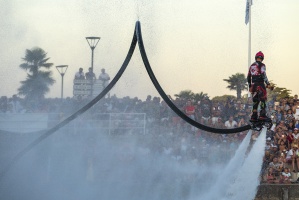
<point x="278" y="192"/>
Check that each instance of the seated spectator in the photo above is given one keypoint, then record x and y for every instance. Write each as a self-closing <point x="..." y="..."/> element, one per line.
<point x="292" y="156"/>
<point x="242" y="122"/>
<point x="268" y="144"/>
<point x="289" y="117"/>
<point x="231" y="123"/>
<point x="277" y="167"/>
<point x="290" y="138"/>
<point x="295" y="110"/>
<point x="295" y="136"/>
<point x="270" y="177"/>
<point x="219" y="123"/>
<point x="285" y="176"/>
<point x="274" y="151"/>
<point x="282" y="148"/>
<point x="80" y="74"/>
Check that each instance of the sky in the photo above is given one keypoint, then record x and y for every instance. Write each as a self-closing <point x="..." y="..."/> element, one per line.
<point x="190" y="44"/>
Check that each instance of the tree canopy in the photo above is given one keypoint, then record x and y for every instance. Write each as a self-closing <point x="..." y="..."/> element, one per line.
<point x="38" y="81"/>
<point x="237" y="82"/>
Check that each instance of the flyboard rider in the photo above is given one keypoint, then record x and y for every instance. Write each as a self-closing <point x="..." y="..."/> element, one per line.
<point x="256" y="82"/>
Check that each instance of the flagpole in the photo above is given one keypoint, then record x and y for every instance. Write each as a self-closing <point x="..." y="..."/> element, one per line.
<point x="249" y="38"/>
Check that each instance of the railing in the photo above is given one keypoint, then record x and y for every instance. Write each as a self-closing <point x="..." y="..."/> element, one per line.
<point x="83" y="87"/>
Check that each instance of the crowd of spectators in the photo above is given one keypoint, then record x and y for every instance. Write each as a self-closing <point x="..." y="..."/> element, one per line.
<point x="173" y="136"/>
<point x="281" y="159"/>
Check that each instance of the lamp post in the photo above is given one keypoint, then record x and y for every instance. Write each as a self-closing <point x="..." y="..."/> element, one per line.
<point x="62" y="70"/>
<point x="92" y="42"/>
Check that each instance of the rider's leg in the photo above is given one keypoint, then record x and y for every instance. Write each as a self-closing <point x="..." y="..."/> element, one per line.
<point x="263" y="110"/>
<point x="254" y="108"/>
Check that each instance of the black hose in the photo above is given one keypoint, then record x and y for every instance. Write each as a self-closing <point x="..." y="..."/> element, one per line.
<point x="168" y="101"/>
<point x="50" y="131"/>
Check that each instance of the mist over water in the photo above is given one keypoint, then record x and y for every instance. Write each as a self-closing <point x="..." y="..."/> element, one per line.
<point x="92" y="164"/>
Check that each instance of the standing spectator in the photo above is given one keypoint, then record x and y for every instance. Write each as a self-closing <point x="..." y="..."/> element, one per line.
<point x="3" y="104"/>
<point x="15" y="104"/>
<point x="90" y="75"/>
<point x="190" y="109"/>
<point x="104" y="77"/>
<point x="231" y="123"/>
<point x="80" y="74"/>
<point x="205" y="110"/>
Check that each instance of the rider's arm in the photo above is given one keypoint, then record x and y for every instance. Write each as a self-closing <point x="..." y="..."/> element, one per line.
<point x="249" y="78"/>
<point x="265" y="78"/>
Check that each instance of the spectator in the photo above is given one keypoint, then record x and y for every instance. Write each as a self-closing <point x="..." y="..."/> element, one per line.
<point x="292" y="157"/>
<point x="190" y="110"/>
<point x="295" y="110"/>
<point x="3" y="104"/>
<point x="104" y="77"/>
<point x="231" y="123"/>
<point x="277" y="167"/>
<point x="205" y="110"/>
<point x="80" y="74"/>
<point x="270" y="177"/>
<point x="285" y="176"/>
<point x="15" y="104"/>
<point x="90" y="75"/>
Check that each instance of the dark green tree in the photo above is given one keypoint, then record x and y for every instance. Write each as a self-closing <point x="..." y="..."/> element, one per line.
<point x="185" y="94"/>
<point x="278" y="92"/>
<point x="188" y="94"/>
<point x="38" y="78"/>
<point x="237" y="82"/>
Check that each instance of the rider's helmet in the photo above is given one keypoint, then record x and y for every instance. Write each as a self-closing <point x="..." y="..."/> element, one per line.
<point x="259" y="55"/>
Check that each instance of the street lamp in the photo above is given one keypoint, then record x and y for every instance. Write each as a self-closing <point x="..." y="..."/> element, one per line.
<point x="62" y="70"/>
<point x="92" y="42"/>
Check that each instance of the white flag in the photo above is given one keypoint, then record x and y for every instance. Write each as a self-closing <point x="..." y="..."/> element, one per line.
<point x="248" y="4"/>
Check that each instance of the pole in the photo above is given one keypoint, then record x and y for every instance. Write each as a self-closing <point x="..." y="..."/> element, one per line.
<point x="62" y="75"/>
<point x="92" y="71"/>
<point x="249" y="38"/>
<point x="249" y="43"/>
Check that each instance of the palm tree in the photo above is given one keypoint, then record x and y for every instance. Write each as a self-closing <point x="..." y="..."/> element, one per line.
<point x="185" y="94"/>
<point x="237" y="82"/>
<point x="38" y="81"/>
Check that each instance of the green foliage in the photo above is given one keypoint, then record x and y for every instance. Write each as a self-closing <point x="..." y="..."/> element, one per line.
<point x="188" y="94"/>
<point x="38" y="81"/>
<point x="237" y="82"/>
<point x="223" y="98"/>
<point x="278" y="92"/>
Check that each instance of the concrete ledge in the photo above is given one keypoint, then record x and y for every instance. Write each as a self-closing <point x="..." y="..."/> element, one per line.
<point x="278" y="192"/>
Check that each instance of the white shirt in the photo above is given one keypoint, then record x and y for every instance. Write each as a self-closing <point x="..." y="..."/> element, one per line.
<point x="105" y="78"/>
<point x="290" y="153"/>
<point x="229" y="124"/>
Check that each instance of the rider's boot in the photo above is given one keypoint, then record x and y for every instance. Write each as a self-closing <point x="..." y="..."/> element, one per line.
<point x="253" y="116"/>
<point x="263" y="115"/>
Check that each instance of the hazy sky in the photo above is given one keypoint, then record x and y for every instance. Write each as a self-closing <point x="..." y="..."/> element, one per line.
<point x="191" y="44"/>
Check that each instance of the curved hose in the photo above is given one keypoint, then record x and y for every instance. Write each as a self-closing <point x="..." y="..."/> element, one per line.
<point x="168" y="101"/>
